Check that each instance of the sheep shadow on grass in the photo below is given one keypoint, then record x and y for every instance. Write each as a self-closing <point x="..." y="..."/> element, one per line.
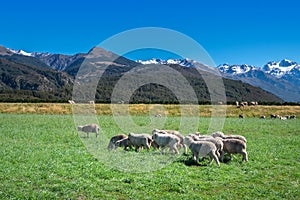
<point x="191" y="162"/>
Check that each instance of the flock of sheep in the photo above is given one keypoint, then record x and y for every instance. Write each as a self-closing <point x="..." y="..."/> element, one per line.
<point x="214" y="146"/>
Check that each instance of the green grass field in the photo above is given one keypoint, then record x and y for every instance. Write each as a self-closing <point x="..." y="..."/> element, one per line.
<point x="42" y="157"/>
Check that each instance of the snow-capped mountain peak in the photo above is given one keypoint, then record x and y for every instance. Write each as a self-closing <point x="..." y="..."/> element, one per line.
<point x="281" y="68"/>
<point x="235" y="69"/>
<point x="21" y="52"/>
<point x="183" y="62"/>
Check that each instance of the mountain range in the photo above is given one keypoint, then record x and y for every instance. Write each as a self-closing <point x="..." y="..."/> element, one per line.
<point x="50" y="77"/>
<point x="281" y="78"/>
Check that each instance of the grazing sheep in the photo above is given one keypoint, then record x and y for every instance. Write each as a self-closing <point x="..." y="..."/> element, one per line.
<point x="71" y="101"/>
<point x="283" y="118"/>
<point x="114" y="139"/>
<point x="140" y="140"/>
<point x="123" y="143"/>
<point x="293" y="117"/>
<point x="90" y="128"/>
<point x="216" y="141"/>
<point x="165" y="140"/>
<point x="234" y="146"/>
<point x="262" y="117"/>
<point x="158" y="115"/>
<point x="173" y="132"/>
<point x="273" y="116"/>
<point x="202" y="149"/>
<point x="221" y="135"/>
<point x="241" y="116"/>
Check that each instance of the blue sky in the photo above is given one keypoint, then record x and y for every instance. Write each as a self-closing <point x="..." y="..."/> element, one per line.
<point x="234" y="32"/>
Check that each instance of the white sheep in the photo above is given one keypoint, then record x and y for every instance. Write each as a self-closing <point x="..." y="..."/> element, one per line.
<point x="216" y="141"/>
<point x="202" y="149"/>
<point x="173" y="132"/>
<point x="223" y="136"/>
<point x="165" y="140"/>
<point x="140" y="140"/>
<point x="234" y="146"/>
<point x="90" y="128"/>
<point x="114" y="139"/>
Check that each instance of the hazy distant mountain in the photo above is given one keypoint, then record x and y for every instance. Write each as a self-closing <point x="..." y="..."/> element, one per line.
<point x="47" y="76"/>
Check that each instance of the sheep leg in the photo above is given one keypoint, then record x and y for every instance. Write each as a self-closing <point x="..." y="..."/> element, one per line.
<point x="185" y="149"/>
<point x="245" y="156"/>
<point x="87" y="134"/>
<point x="214" y="156"/>
<point x="218" y="154"/>
<point x="222" y="156"/>
<point x="163" y="150"/>
<point x="174" y="148"/>
<point x="196" y="158"/>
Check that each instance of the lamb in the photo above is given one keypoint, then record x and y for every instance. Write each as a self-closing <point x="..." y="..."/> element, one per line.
<point x="173" y="132"/>
<point x="223" y="136"/>
<point x="165" y="140"/>
<point x="234" y="146"/>
<point x="202" y="149"/>
<point x="123" y="143"/>
<point x="140" y="140"/>
<point x="90" y="128"/>
<point x="114" y="139"/>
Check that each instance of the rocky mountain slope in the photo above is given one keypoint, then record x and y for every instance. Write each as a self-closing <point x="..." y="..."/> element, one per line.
<point x="50" y="77"/>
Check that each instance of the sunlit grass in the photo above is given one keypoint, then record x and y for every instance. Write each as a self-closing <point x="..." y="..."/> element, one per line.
<point x="42" y="157"/>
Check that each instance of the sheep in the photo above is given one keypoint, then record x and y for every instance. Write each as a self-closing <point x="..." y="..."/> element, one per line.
<point x="173" y="132"/>
<point x="293" y="117"/>
<point x="202" y="149"/>
<point x="221" y="135"/>
<point x="158" y="115"/>
<point x="273" y="116"/>
<point x="234" y="146"/>
<point x="90" y="128"/>
<point x="216" y="141"/>
<point x="165" y="140"/>
<point x="253" y="103"/>
<point x="262" y="117"/>
<point x="123" y="143"/>
<point x="139" y="140"/>
<point x="241" y="116"/>
<point x="71" y="101"/>
<point x="245" y="103"/>
<point x="283" y="118"/>
<point x="114" y="139"/>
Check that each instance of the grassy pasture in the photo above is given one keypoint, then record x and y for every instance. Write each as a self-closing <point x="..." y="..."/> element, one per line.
<point x="42" y="157"/>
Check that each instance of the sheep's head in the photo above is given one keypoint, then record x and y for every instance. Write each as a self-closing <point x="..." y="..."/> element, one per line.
<point x="110" y="146"/>
<point x="117" y="144"/>
<point x="154" y="136"/>
<point x="187" y="140"/>
<point x="155" y="131"/>
<point x="79" y="128"/>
